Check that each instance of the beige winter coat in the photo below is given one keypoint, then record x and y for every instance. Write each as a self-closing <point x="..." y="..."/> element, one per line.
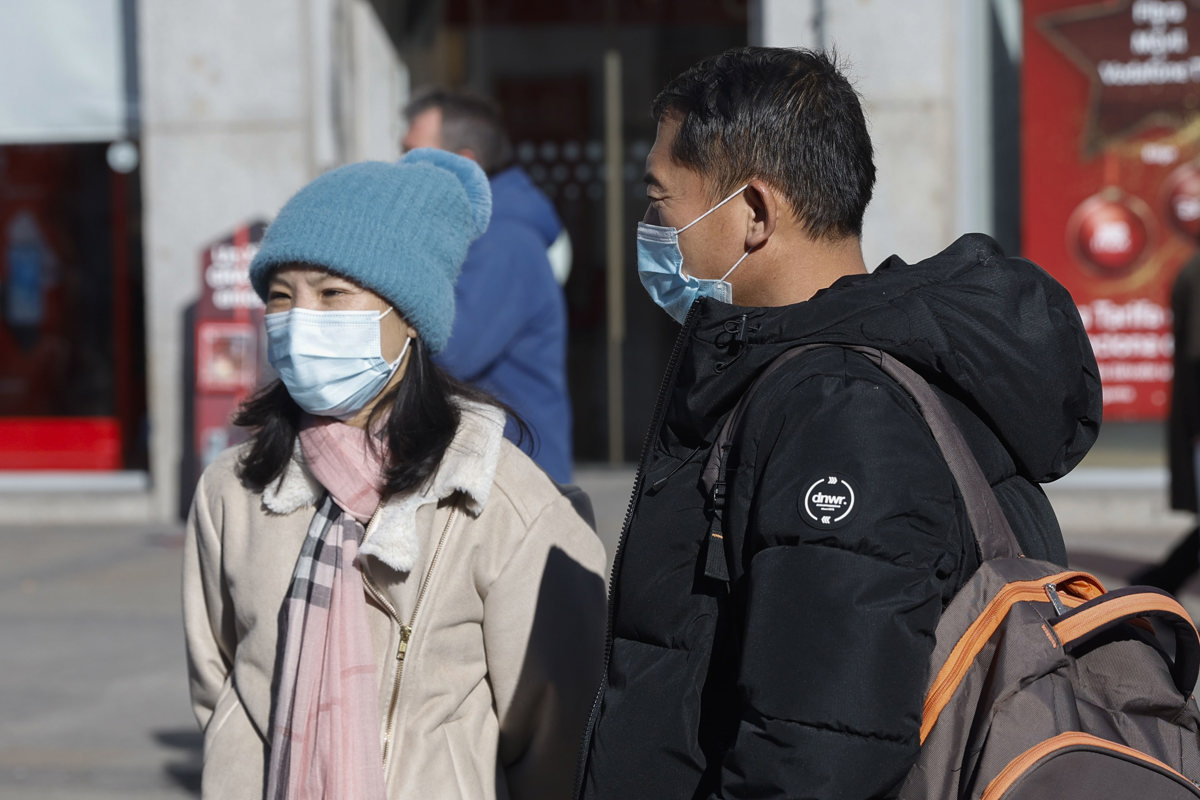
<point x="495" y="574"/>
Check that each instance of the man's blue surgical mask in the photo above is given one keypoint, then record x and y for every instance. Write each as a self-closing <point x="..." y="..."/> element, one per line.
<point x="660" y="267"/>
<point x="330" y="361"/>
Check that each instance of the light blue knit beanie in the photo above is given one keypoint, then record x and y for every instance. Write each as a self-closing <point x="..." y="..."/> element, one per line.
<point x="399" y="229"/>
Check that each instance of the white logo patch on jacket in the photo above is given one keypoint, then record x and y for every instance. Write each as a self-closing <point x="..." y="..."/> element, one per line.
<point x="828" y="502"/>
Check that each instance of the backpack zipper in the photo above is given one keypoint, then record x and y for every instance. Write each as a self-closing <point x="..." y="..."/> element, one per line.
<point x="984" y="625"/>
<point x="1021" y="765"/>
<point x="406" y="631"/>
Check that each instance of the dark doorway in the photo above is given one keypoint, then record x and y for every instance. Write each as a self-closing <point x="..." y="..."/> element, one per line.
<point x="545" y="61"/>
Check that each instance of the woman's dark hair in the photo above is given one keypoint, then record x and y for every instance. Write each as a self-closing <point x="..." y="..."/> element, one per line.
<point x="786" y="116"/>
<point x="421" y="419"/>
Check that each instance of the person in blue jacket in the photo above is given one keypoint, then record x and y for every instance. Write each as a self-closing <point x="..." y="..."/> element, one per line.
<point x="510" y="332"/>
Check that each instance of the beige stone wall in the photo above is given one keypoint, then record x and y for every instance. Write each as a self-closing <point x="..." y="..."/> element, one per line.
<point x="920" y="66"/>
<point x="242" y="103"/>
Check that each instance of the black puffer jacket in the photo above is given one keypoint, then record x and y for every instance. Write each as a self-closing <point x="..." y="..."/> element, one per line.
<point x="805" y="677"/>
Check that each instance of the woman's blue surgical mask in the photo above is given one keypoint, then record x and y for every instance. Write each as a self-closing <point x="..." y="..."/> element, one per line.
<point x="660" y="267"/>
<point x="330" y="361"/>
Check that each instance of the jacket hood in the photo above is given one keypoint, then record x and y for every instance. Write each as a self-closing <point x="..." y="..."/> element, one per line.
<point x="997" y="333"/>
<point x="515" y="198"/>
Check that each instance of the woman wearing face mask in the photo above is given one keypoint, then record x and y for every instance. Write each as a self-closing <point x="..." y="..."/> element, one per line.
<point x="382" y="596"/>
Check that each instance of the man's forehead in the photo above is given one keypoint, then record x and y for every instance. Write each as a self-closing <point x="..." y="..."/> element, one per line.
<point x="432" y="115"/>
<point x="668" y="175"/>
<point x="425" y="129"/>
<point x="663" y="171"/>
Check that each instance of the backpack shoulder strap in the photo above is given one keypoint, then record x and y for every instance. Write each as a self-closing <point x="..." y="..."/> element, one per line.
<point x="993" y="534"/>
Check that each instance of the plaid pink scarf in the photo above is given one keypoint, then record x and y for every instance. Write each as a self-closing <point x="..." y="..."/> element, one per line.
<point x="340" y="458"/>
<point x="325" y="727"/>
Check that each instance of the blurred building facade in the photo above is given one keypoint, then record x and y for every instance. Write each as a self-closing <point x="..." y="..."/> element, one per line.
<point x="154" y="138"/>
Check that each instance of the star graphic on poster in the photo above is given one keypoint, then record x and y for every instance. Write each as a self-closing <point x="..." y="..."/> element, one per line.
<point x="1140" y="59"/>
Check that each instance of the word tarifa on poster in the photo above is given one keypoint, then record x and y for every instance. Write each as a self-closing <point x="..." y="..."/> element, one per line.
<point x="1136" y="329"/>
<point x="1133" y="345"/>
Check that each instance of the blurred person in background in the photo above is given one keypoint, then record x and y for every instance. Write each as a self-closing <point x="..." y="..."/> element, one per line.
<point x="510" y="333"/>
<point x="1183" y="431"/>
<point x="383" y="597"/>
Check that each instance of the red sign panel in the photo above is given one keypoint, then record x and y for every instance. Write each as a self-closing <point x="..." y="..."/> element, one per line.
<point x="60" y="443"/>
<point x="229" y="345"/>
<point x="225" y="291"/>
<point x="1111" y="175"/>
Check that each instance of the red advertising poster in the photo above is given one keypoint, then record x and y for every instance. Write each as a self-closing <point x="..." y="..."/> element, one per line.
<point x="1111" y="175"/>
<point x="229" y="345"/>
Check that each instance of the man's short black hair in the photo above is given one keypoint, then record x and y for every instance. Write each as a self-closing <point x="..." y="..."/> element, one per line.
<point x="469" y="121"/>
<point x="786" y="116"/>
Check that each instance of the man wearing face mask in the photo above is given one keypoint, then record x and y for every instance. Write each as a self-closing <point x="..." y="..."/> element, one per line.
<point x="790" y="659"/>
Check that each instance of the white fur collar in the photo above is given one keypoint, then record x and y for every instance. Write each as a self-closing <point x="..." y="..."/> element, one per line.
<point x="468" y="466"/>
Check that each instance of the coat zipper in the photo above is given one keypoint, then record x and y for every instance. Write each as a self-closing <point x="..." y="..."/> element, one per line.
<point x="981" y="630"/>
<point x="639" y="478"/>
<point x="1020" y="765"/>
<point x="406" y="631"/>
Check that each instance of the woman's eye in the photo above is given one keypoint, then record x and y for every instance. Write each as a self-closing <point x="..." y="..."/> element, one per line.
<point x="276" y="296"/>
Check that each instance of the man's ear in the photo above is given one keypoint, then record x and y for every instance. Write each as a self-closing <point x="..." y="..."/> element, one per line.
<point x="765" y="209"/>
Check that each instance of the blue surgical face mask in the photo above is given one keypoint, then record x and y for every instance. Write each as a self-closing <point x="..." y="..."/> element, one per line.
<point x="660" y="266"/>
<point x="330" y="361"/>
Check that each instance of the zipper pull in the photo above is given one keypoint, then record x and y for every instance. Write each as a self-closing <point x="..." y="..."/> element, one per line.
<point x="405" y="635"/>
<point x="1055" y="599"/>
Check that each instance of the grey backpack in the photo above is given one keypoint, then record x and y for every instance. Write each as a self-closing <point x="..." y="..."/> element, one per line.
<point x="1043" y="685"/>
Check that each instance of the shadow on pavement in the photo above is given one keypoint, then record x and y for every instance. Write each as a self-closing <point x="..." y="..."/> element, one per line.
<point x="185" y="770"/>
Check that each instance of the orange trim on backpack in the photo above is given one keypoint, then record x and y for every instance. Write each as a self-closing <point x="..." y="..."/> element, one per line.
<point x="1071" y="739"/>
<point x="1085" y="622"/>
<point x="1075" y="589"/>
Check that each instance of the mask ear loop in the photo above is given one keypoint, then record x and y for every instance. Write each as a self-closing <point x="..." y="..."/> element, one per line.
<point x="705" y="214"/>
<point x="714" y="208"/>
<point x="403" y="350"/>
<point x="736" y="264"/>
<point x="743" y="258"/>
<point x="407" y="341"/>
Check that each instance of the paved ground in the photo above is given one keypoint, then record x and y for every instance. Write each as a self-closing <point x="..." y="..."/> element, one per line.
<point x="93" y="701"/>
